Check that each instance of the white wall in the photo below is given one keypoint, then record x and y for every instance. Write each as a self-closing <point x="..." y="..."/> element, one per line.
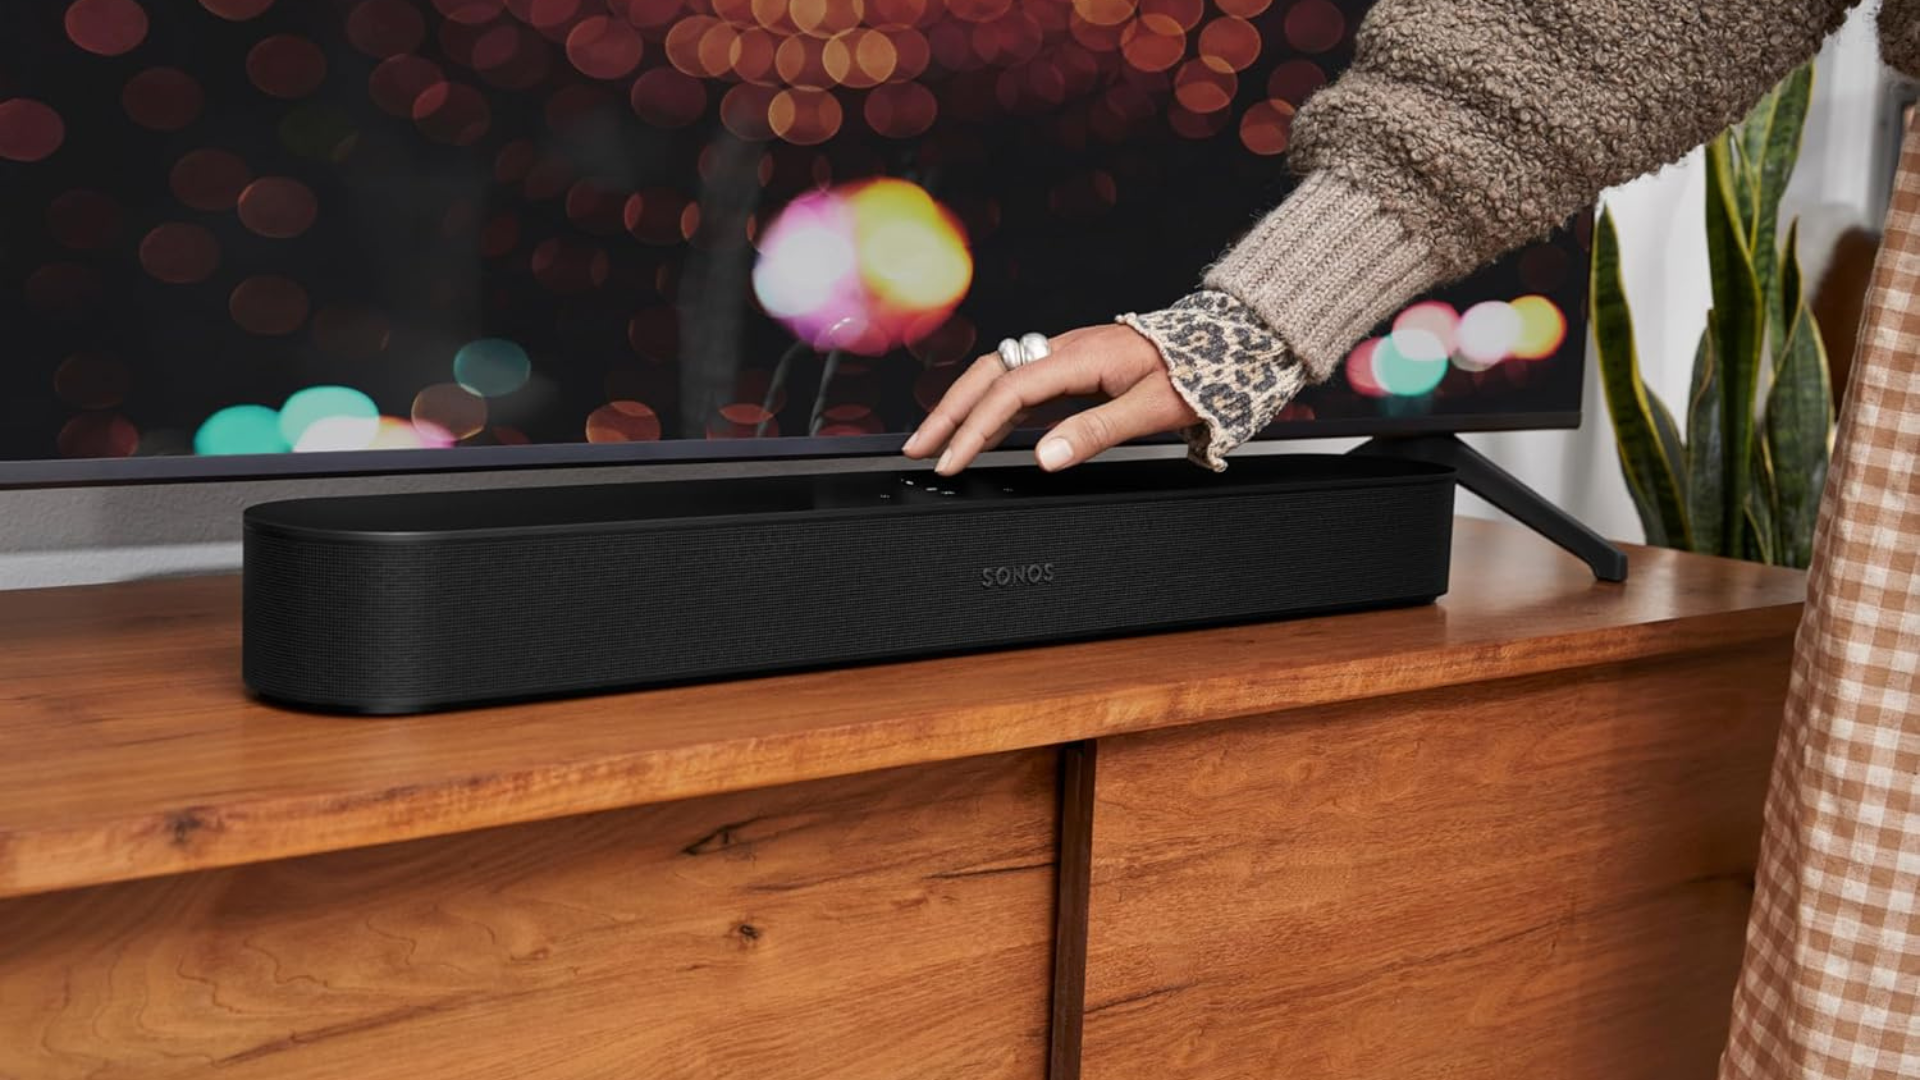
<point x="109" y="534"/>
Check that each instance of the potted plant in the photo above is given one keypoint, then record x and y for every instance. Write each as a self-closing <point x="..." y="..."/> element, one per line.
<point x="1740" y="473"/>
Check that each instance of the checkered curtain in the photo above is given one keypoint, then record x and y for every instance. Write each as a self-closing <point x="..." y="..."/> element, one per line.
<point x="1831" y="984"/>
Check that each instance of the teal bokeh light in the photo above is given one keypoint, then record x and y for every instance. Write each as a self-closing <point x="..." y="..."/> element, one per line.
<point x="317" y="403"/>
<point x="1400" y="374"/>
<point x="492" y="367"/>
<point x="241" y="429"/>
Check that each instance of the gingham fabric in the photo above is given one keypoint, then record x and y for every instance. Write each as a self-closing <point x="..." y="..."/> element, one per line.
<point x="1830" y="988"/>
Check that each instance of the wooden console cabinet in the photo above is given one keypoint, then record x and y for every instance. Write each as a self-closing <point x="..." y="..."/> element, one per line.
<point x="1511" y="834"/>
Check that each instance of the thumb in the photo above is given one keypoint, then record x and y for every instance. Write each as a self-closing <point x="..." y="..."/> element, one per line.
<point x="1087" y="433"/>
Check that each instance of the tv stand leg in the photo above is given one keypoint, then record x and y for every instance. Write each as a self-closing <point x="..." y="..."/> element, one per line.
<point x="1481" y="476"/>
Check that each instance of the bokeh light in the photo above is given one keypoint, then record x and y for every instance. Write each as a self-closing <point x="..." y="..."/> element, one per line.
<point x="385" y="28"/>
<point x="622" y="421"/>
<point x="163" y="99"/>
<point x="602" y="47"/>
<point x="449" y="411"/>
<point x="492" y="367"/>
<point x="859" y="266"/>
<point x="1406" y="375"/>
<point x="1360" y="371"/>
<point x="268" y="305"/>
<point x="29" y="130"/>
<point x="328" y="417"/>
<point x="1315" y="26"/>
<point x="668" y="98"/>
<point x="209" y="179"/>
<point x="180" y="254"/>
<point x="452" y="113"/>
<point x="241" y="429"/>
<point x="98" y="435"/>
<point x="277" y="207"/>
<point x="1266" y="128"/>
<point x="400" y="80"/>
<point x="106" y="27"/>
<point x="287" y="66"/>
<point x="1428" y="329"/>
<point x="235" y="10"/>
<point x="1488" y="333"/>
<point x="1542" y="328"/>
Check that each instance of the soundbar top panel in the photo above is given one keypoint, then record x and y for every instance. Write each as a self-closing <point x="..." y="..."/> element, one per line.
<point x="667" y="502"/>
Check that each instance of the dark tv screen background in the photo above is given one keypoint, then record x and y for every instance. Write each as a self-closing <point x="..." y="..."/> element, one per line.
<point x="629" y="229"/>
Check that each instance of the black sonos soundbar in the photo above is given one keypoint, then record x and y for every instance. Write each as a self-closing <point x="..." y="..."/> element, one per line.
<point x="409" y="603"/>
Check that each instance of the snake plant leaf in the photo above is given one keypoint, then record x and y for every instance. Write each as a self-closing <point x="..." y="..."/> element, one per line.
<point x="1757" y="544"/>
<point x="1706" y="447"/>
<point x="1774" y="168"/>
<point x="1651" y="475"/>
<point x="1790" y="286"/>
<point x="1748" y="145"/>
<point x="1799" y="415"/>
<point x="1739" y="323"/>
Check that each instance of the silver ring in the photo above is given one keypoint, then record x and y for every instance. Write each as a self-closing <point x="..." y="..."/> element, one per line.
<point x="1018" y="354"/>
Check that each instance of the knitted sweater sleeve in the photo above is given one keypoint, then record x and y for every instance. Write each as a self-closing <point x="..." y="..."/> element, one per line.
<point x="1463" y="129"/>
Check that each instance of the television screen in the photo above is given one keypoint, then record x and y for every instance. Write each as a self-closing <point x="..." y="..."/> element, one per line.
<point x="328" y="235"/>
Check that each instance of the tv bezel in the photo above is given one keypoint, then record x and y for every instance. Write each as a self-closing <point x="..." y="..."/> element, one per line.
<point x="189" y="468"/>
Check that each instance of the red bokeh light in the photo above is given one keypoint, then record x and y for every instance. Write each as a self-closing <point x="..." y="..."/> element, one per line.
<point x="566" y="267"/>
<point x="596" y="208"/>
<point x="623" y="421"/>
<point x="386" y="28"/>
<point x="98" y="435"/>
<point x="236" y="10"/>
<point x="665" y="97"/>
<point x="603" y="48"/>
<point x="163" y="99"/>
<point x="106" y="27"/>
<point x="29" y="130"/>
<point x="286" y="66"/>
<point x="742" y="420"/>
<point x="209" y="179"/>
<point x="400" y="80"/>
<point x="452" y="113"/>
<point x="278" y="207"/>
<point x="268" y="305"/>
<point x="1315" y="26"/>
<point x="470" y="12"/>
<point x="180" y="254"/>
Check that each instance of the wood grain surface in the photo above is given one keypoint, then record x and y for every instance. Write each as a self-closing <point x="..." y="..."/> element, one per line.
<point x="133" y="752"/>
<point x="879" y="927"/>
<point x="1545" y="877"/>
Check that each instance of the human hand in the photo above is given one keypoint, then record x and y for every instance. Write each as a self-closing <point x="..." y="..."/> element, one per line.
<point x="988" y="402"/>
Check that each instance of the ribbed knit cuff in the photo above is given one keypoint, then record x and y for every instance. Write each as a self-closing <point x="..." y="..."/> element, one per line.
<point x="1324" y="268"/>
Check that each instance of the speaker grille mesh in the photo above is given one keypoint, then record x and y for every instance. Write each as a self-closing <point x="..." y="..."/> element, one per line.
<point x="393" y="627"/>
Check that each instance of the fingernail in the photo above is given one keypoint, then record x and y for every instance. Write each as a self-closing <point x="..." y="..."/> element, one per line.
<point x="913" y="443"/>
<point x="941" y="467"/>
<point x="1055" y="454"/>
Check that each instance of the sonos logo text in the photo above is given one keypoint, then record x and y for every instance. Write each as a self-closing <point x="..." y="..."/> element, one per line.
<point x="1000" y="577"/>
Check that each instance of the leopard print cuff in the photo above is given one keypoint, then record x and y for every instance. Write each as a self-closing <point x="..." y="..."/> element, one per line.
<point x="1231" y="369"/>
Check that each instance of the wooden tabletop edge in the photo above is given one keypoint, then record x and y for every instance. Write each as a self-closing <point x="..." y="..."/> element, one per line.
<point x="143" y="843"/>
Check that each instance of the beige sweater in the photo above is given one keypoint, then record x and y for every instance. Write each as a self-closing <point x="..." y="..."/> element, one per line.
<point x="1466" y="128"/>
